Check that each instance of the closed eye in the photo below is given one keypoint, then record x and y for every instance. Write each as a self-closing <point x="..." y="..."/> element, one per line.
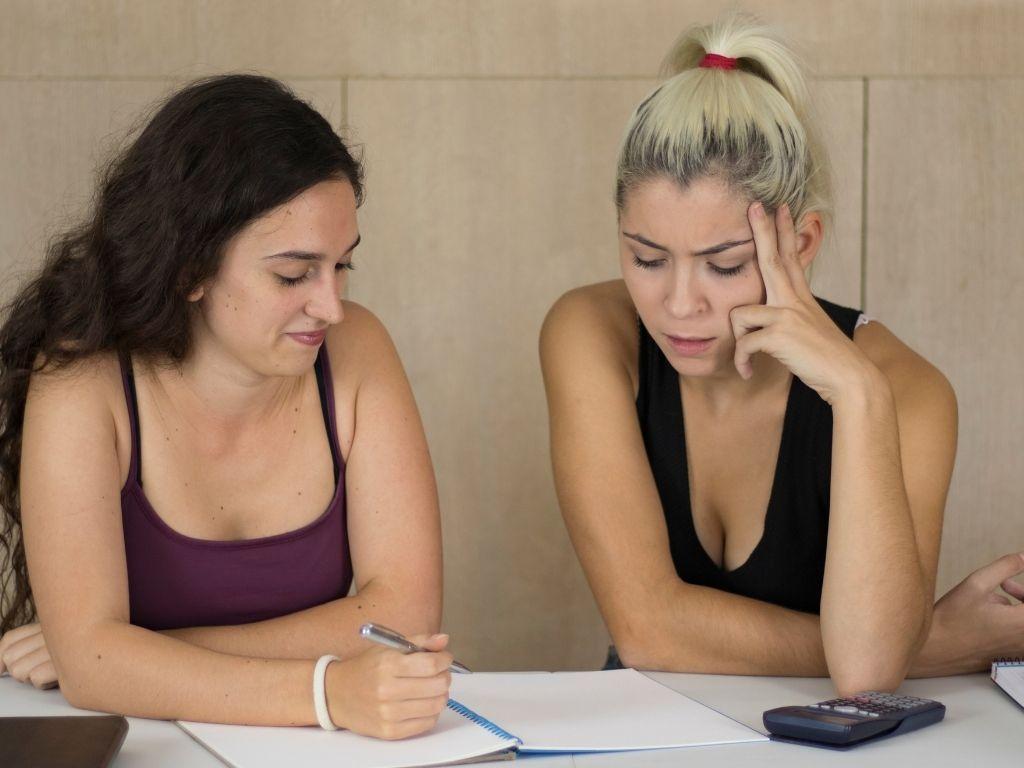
<point x="726" y="271"/>
<point x="290" y="281"/>
<point x="643" y="264"/>
<point x="284" y="280"/>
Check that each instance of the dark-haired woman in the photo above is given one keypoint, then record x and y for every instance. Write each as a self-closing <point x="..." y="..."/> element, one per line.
<point x="205" y="447"/>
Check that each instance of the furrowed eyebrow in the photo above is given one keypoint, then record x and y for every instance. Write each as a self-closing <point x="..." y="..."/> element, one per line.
<point x="644" y="241"/>
<point x="722" y="247"/>
<point x="706" y="252"/>
<point x="308" y="255"/>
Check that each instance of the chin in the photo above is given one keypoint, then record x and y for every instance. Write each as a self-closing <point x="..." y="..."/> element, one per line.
<point x="688" y="366"/>
<point x="292" y="364"/>
<point x="700" y="366"/>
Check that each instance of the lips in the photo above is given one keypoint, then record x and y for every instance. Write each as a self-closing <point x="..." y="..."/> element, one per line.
<point x="690" y="346"/>
<point x="310" y="339"/>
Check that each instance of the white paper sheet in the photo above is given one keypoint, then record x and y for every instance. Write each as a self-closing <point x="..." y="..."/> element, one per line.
<point x="594" y="712"/>
<point x="556" y="712"/>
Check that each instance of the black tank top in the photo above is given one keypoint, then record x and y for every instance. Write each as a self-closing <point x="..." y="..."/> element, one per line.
<point x="788" y="564"/>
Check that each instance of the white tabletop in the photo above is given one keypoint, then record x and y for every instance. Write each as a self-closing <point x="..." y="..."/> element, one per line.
<point x="983" y="727"/>
<point x="148" y="743"/>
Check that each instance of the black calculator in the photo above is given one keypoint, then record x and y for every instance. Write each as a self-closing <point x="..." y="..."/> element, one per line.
<point x="842" y="723"/>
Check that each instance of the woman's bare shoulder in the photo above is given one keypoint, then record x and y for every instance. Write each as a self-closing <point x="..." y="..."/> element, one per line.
<point x="358" y="342"/>
<point x="597" y="319"/>
<point x="91" y="379"/>
<point x="915" y="382"/>
<point x="80" y="406"/>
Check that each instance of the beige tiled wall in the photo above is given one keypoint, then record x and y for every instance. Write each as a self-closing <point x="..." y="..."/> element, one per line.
<point x="945" y="269"/>
<point x="489" y="130"/>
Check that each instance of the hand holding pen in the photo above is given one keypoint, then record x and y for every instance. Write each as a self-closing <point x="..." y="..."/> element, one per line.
<point x="387" y="694"/>
<point x="390" y="638"/>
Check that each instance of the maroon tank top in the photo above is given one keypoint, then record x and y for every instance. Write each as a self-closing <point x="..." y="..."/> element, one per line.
<point x="178" y="581"/>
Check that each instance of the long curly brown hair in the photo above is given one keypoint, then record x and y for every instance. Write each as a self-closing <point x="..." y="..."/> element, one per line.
<point x="214" y="156"/>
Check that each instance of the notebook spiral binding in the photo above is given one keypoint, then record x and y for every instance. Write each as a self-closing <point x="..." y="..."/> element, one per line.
<point x="1015" y="661"/>
<point x="483" y="722"/>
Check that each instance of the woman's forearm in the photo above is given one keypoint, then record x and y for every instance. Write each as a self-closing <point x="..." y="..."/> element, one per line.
<point x="330" y="628"/>
<point x="874" y="608"/>
<point x="685" y="628"/>
<point x="132" y="671"/>
<point x="720" y="633"/>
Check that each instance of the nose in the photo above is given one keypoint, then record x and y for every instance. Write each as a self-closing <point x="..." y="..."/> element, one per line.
<point x="325" y="303"/>
<point x="685" y="295"/>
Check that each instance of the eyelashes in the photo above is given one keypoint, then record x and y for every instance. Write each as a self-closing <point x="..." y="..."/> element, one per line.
<point x="637" y="261"/>
<point x="720" y="271"/>
<point x="290" y="281"/>
<point x="727" y="271"/>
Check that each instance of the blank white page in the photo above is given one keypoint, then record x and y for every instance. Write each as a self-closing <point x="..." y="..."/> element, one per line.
<point x="453" y="738"/>
<point x="594" y="712"/>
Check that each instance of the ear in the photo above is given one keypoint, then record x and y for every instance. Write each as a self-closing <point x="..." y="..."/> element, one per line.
<point x="196" y="294"/>
<point x="809" y="235"/>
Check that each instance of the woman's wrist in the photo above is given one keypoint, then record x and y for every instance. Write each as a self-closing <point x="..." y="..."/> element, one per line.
<point x="864" y="392"/>
<point x="335" y="680"/>
<point x="941" y="655"/>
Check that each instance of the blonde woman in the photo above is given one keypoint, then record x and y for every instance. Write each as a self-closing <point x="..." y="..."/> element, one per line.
<point x="753" y="478"/>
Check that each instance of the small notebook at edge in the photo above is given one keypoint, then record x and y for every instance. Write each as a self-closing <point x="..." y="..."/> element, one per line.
<point x="1009" y="675"/>
<point x="491" y="714"/>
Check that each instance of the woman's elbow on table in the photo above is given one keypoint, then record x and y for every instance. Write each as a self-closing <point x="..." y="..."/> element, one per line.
<point x="79" y="689"/>
<point x="634" y="655"/>
<point x="878" y="673"/>
<point x="83" y="668"/>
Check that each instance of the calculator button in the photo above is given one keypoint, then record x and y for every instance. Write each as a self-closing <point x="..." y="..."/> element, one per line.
<point x="824" y="706"/>
<point x="872" y="714"/>
<point x="846" y="709"/>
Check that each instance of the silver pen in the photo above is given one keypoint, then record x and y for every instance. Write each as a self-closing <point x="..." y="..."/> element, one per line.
<point x="384" y="636"/>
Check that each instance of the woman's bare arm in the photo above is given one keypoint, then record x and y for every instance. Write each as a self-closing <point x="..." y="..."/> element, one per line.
<point x="893" y="447"/>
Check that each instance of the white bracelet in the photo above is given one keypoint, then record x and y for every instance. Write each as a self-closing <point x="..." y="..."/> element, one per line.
<point x="320" y="692"/>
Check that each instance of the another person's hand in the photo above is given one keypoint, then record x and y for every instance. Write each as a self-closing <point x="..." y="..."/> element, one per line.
<point x="791" y="325"/>
<point x="24" y="656"/>
<point x="388" y="694"/>
<point x="973" y="624"/>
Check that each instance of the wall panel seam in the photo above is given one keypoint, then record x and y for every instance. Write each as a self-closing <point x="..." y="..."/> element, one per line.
<point x="865" y="100"/>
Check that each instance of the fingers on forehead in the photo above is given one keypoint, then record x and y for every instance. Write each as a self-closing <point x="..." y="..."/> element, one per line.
<point x="786" y="230"/>
<point x="766" y="242"/>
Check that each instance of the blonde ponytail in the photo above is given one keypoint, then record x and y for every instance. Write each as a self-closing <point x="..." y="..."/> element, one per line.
<point x="751" y="125"/>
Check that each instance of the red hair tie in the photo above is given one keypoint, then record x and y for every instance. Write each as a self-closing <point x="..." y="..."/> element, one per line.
<point x="714" y="61"/>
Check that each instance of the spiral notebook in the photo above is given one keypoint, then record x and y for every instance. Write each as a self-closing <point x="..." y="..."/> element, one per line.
<point x="496" y="715"/>
<point x="1009" y="675"/>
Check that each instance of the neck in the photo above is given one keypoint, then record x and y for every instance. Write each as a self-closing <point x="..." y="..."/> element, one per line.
<point x="214" y="388"/>
<point x="725" y="391"/>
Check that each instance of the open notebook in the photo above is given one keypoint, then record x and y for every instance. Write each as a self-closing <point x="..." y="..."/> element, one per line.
<point x="1009" y="675"/>
<point x="492" y="713"/>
